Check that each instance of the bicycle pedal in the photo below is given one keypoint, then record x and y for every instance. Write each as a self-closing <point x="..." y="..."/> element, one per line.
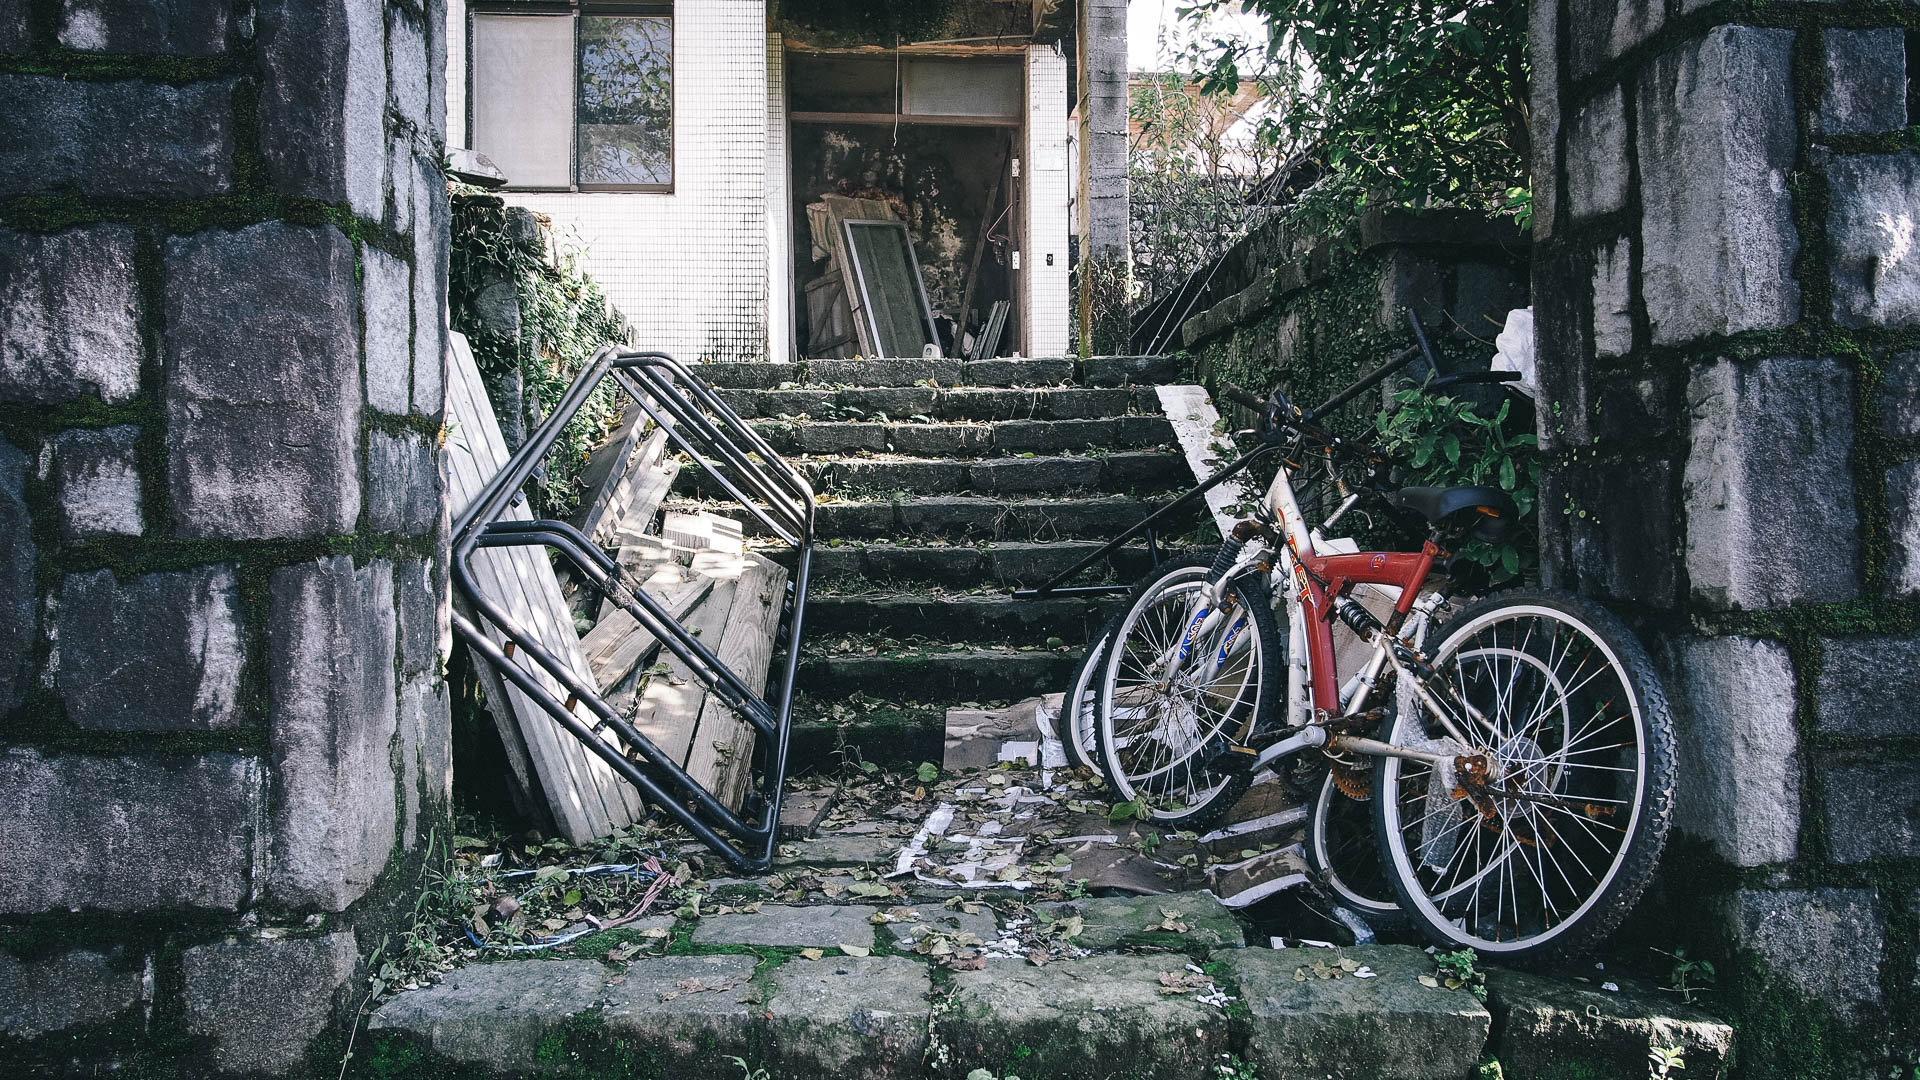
<point x="1235" y="759"/>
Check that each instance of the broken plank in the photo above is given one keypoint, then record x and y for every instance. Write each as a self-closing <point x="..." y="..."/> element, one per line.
<point x="654" y="481"/>
<point x="670" y="707"/>
<point x="722" y="750"/>
<point x="802" y="811"/>
<point x="703" y="531"/>
<point x="607" y="480"/>
<point x="1193" y="417"/>
<point x="618" y="643"/>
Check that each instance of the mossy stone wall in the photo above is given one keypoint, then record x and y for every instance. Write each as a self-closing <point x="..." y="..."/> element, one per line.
<point x="1727" y="331"/>
<point x="223" y="726"/>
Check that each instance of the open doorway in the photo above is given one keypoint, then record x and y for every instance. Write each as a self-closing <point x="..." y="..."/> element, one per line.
<point x="932" y="141"/>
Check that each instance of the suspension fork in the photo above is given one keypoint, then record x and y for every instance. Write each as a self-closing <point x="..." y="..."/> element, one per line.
<point x="1204" y="616"/>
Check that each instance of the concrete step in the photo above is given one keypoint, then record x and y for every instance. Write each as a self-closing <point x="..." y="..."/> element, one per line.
<point x="827" y="730"/>
<point x="944" y="674"/>
<point x="974" y="518"/>
<point x="985" y="618"/>
<point x="965" y="439"/>
<point x="904" y="403"/>
<point x="958" y="566"/>
<point x="863" y="1005"/>
<point x="1005" y="371"/>
<point x="857" y="476"/>
<point x="1009" y="371"/>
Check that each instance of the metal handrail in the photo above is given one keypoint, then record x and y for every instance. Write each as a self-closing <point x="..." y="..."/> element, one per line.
<point x="705" y="429"/>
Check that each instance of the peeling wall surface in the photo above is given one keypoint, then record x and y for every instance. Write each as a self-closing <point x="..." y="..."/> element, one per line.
<point x="223" y="730"/>
<point x="1728" y="315"/>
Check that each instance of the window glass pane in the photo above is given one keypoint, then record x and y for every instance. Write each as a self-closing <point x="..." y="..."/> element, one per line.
<point x="626" y="99"/>
<point x="523" y="96"/>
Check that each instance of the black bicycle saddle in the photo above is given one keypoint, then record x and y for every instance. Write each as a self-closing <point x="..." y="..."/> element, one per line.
<point x="1497" y="514"/>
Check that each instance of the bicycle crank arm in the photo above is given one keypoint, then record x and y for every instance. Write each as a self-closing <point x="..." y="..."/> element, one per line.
<point x="1299" y="740"/>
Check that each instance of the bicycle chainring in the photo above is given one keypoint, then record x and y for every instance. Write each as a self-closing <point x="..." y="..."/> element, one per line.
<point x="1354" y="779"/>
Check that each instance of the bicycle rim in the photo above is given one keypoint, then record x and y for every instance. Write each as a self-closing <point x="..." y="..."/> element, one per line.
<point x="1161" y="734"/>
<point x="1341" y="843"/>
<point x="1518" y="868"/>
<point x="1077" y="712"/>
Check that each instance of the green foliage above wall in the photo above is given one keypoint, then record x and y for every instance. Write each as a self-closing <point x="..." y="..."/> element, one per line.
<point x="1455" y="442"/>
<point x="563" y="319"/>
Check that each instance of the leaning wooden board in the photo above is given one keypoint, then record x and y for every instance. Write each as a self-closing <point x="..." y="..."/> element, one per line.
<point x="588" y="799"/>
<point x="722" y="749"/>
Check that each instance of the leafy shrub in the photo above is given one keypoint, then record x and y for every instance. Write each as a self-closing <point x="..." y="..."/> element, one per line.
<point x="564" y="320"/>
<point x="1452" y="441"/>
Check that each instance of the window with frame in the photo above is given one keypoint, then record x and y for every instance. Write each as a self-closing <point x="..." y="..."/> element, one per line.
<point x="575" y="97"/>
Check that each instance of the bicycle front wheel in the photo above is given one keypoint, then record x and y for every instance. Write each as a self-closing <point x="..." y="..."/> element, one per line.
<point x="1182" y="683"/>
<point x="1077" y="709"/>
<point x="1547" y="851"/>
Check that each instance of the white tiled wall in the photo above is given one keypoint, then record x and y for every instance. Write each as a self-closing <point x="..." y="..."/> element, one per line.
<point x="780" y="343"/>
<point x="1046" y="183"/>
<point x="689" y="269"/>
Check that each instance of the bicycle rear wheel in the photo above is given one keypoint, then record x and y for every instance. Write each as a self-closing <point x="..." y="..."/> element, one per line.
<point x="1179" y="688"/>
<point x="1547" y="853"/>
<point x="1342" y="848"/>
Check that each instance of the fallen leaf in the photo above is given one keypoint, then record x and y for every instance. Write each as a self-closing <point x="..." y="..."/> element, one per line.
<point x="856" y="950"/>
<point x="1430" y="981"/>
<point x="813" y="954"/>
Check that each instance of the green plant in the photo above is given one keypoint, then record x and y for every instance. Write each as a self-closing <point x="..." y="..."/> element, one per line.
<point x="1457" y="971"/>
<point x="1664" y="1061"/>
<point x="1383" y="101"/>
<point x="1447" y="441"/>
<point x="747" y="1073"/>
<point x="1489" y="1070"/>
<point x="563" y="320"/>
<point x="1687" y="976"/>
<point x="1233" y="1068"/>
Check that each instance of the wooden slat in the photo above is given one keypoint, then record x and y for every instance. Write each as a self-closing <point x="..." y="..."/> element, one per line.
<point x="607" y="478"/>
<point x="722" y="752"/>
<point x="670" y="707"/>
<point x="618" y="643"/>
<point x="586" y="797"/>
<point x="652" y="489"/>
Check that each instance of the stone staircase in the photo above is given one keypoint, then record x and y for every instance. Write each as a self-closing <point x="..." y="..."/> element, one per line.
<point x="943" y="485"/>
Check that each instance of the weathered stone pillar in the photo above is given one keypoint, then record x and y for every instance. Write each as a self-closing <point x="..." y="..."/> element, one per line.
<point x="223" y="727"/>
<point x="1106" y="257"/>
<point x="1728" y="310"/>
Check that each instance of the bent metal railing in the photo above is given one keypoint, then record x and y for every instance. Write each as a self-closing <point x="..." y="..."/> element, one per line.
<point x="733" y="455"/>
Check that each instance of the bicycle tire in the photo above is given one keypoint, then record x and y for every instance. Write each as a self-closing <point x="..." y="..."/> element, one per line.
<point x="1077" y="721"/>
<point x="1167" y="794"/>
<point x="1575" y="810"/>
<point x="1344" y="850"/>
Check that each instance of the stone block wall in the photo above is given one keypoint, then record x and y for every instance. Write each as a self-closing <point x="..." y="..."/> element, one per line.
<point x="1310" y="313"/>
<point x="1728" y="314"/>
<point x="223" y="726"/>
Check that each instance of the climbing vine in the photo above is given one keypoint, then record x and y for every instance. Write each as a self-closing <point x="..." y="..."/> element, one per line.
<point x="500" y="255"/>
